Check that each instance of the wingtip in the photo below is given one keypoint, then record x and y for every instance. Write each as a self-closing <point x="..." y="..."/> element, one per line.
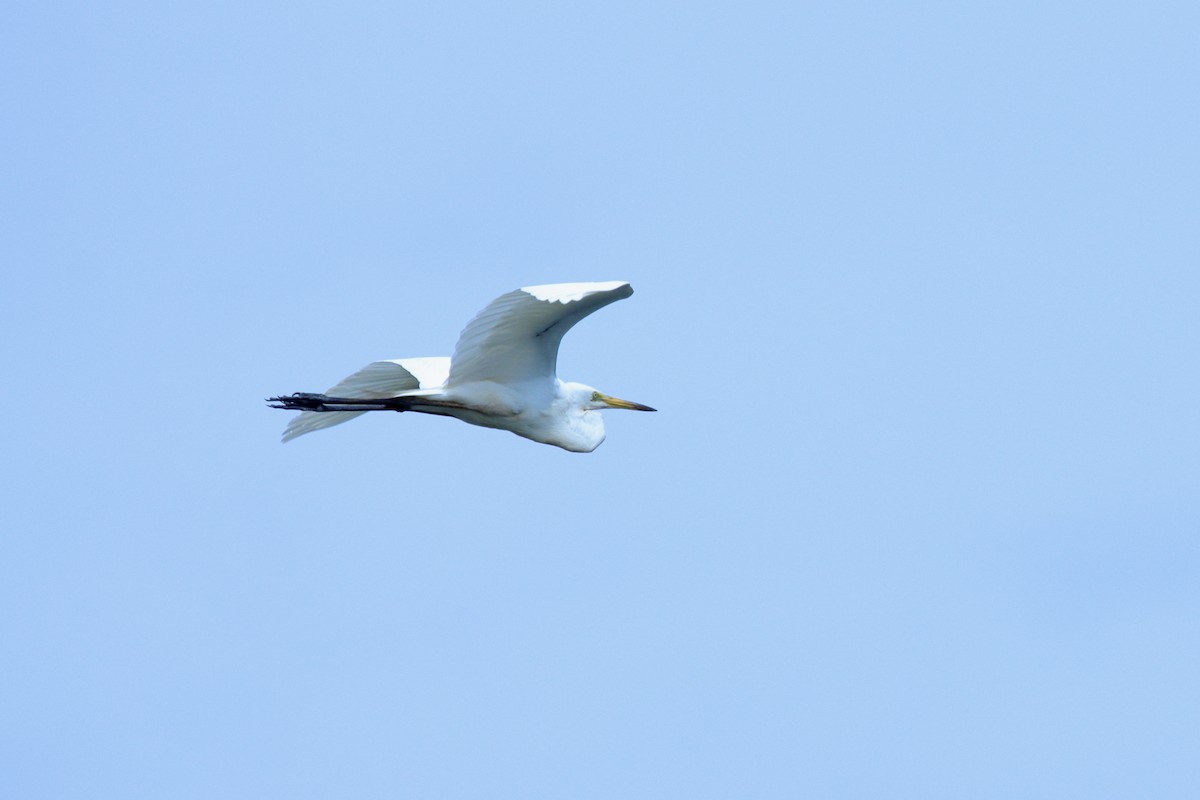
<point x="570" y="292"/>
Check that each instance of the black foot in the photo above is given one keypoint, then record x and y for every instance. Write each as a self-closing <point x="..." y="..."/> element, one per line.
<point x="300" y="401"/>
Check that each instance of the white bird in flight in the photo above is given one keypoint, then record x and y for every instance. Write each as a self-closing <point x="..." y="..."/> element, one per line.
<point x="502" y="374"/>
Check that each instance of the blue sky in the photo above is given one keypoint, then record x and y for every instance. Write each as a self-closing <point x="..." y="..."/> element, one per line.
<point x="917" y="298"/>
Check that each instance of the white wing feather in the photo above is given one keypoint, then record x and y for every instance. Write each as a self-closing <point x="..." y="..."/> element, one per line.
<point x="516" y="337"/>
<point x="378" y="379"/>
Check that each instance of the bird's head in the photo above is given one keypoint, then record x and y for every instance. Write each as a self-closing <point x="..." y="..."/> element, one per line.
<point x="577" y="426"/>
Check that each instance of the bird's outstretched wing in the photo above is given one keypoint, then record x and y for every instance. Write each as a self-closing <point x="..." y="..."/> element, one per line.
<point x="516" y="337"/>
<point x="378" y="379"/>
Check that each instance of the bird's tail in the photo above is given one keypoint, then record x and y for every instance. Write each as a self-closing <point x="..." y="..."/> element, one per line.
<point x="381" y="380"/>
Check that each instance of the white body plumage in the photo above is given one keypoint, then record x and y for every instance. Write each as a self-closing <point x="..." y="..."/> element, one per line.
<point x="502" y="374"/>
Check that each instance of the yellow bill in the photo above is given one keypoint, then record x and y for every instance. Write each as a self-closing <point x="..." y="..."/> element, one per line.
<point x="616" y="402"/>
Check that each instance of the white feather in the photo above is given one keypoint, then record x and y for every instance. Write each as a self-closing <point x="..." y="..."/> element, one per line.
<point x="377" y="379"/>
<point x="515" y="338"/>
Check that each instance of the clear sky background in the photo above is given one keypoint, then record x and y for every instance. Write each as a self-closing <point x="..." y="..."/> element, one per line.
<point x="918" y="298"/>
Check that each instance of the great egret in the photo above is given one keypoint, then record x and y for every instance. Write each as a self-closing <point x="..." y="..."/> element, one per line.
<point x="502" y="374"/>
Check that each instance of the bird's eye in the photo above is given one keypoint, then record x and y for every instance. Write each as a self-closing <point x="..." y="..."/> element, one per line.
<point x="595" y="397"/>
